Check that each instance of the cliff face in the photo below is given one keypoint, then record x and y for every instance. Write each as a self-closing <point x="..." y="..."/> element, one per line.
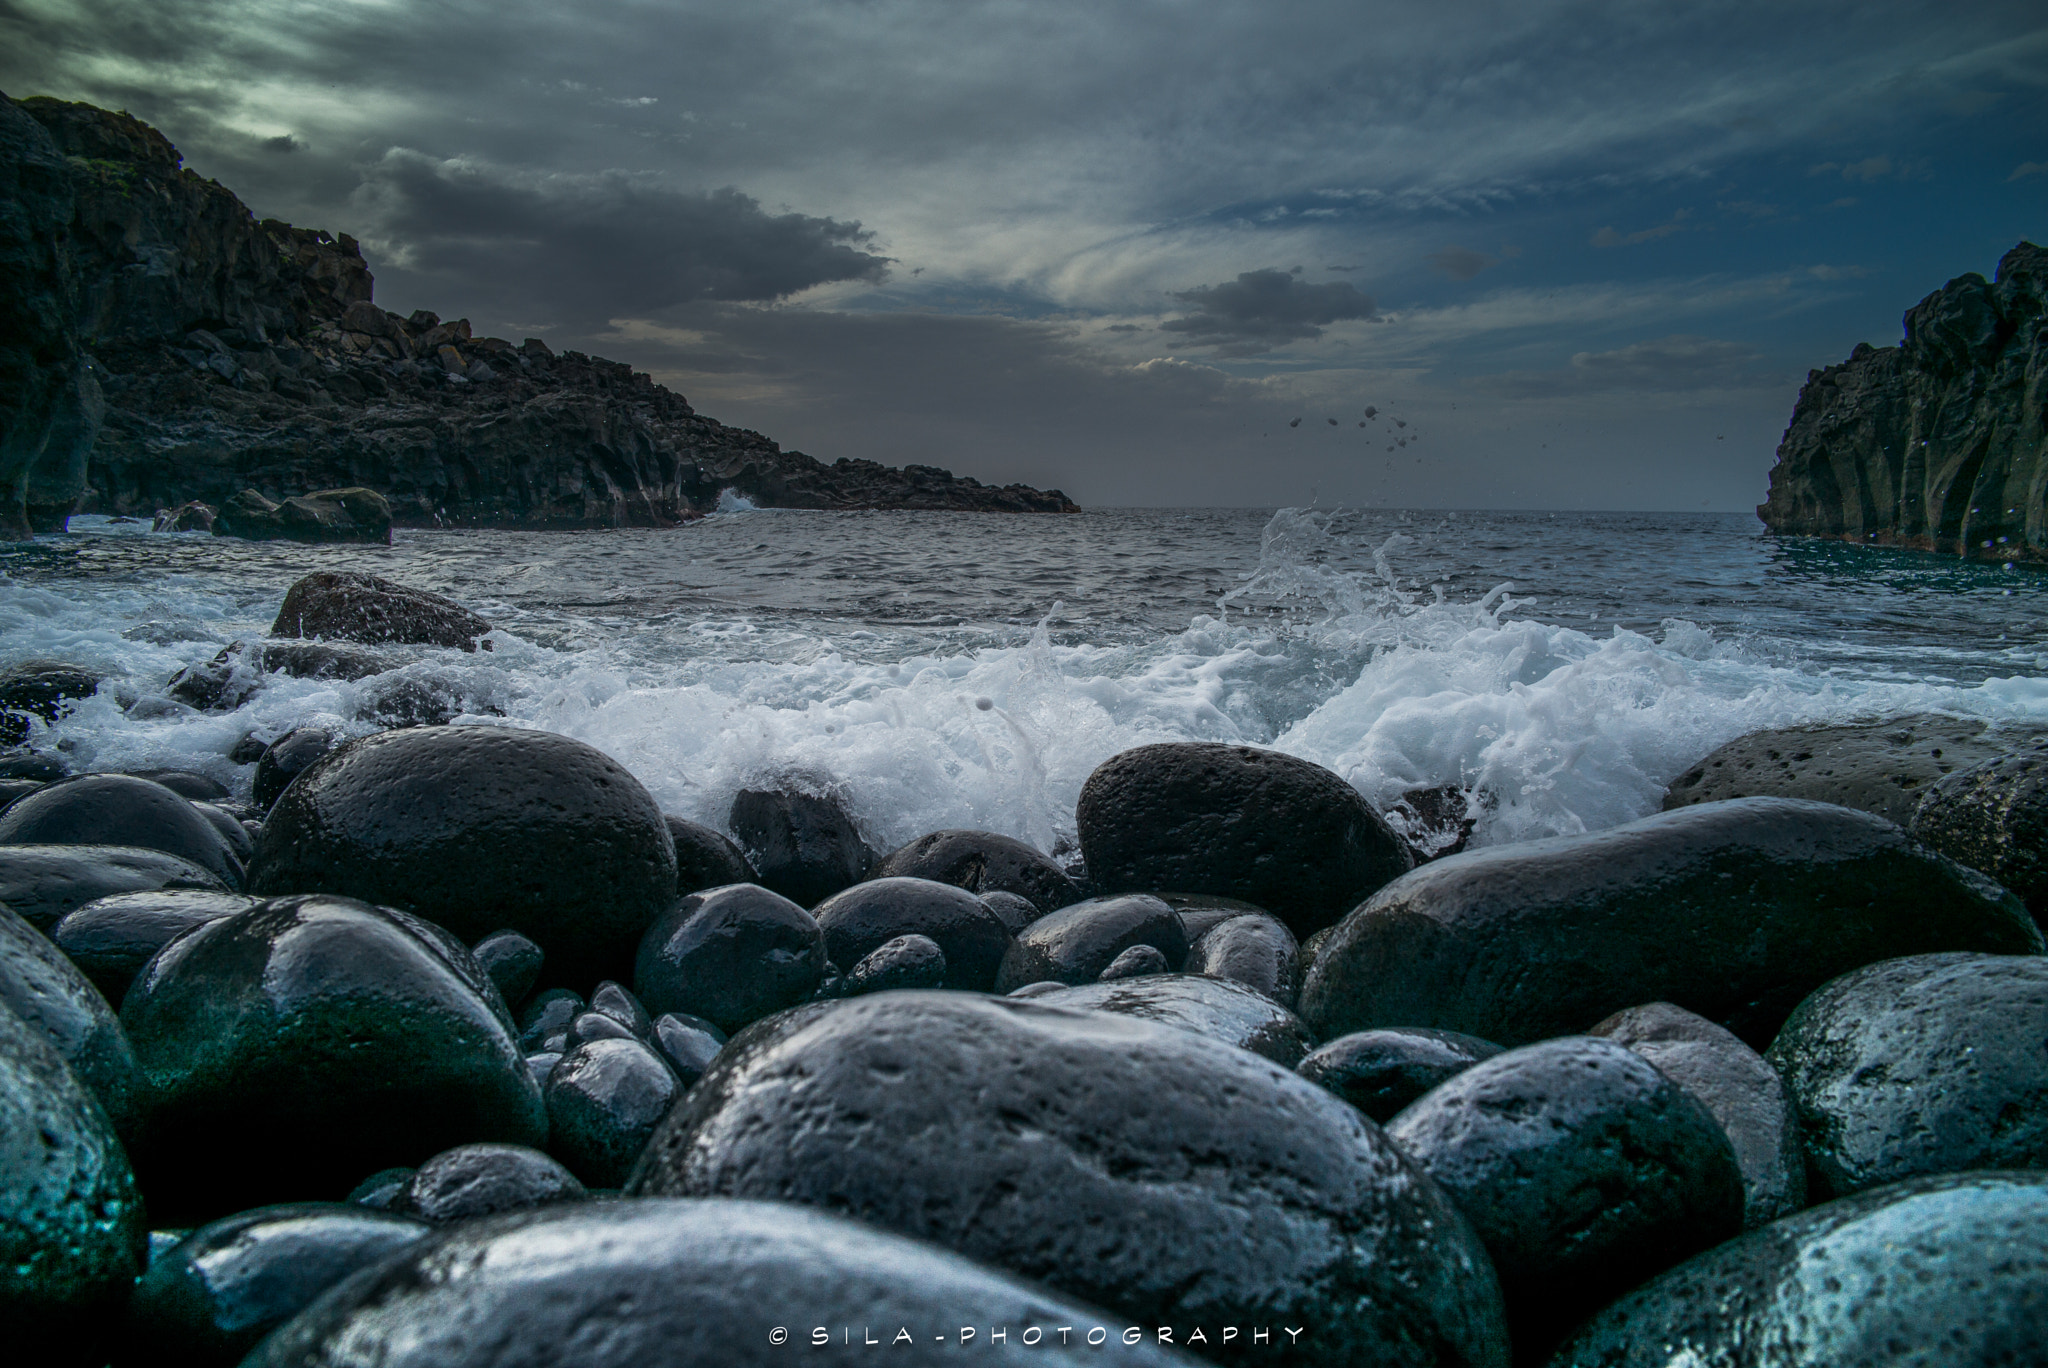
<point x="158" y="344"/>
<point x="1940" y="443"/>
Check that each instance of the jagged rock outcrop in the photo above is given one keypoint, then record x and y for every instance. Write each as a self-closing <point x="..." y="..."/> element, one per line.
<point x="159" y="345"/>
<point x="1940" y="443"/>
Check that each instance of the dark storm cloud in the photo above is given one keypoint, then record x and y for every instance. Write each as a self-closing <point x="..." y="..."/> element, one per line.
<point x="1262" y="309"/>
<point x="1461" y="263"/>
<point x="583" y="248"/>
<point x="1663" y="365"/>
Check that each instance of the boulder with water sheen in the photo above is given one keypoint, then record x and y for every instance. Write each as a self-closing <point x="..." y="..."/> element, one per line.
<point x="46" y="991"/>
<point x="111" y="938"/>
<point x="983" y="862"/>
<point x="45" y="883"/>
<point x="730" y="955"/>
<point x="1076" y="943"/>
<point x="108" y="809"/>
<point x="859" y="920"/>
<point x="1380" y="1072"/>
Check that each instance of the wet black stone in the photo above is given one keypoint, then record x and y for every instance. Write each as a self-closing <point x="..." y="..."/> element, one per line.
<point x="1108" y="1157"/>
<point x="801" y="845"/>
<point x="1743" y="1092"/>
<point x="1201" y="817"/>
<point x="1014" y="911"/>
<point x="1584" y="1170"/>
<point x="480" y="829"/>
<point x="548" y="1015"/>
<point x="1253" y="949"/>
<point x="384" y="1189"/>
<point x="1201" y="911"/>
<point x="28" y="765"/>
<point x="13" y="789"/>
<point x="1136" y="962"/>
<point x="72" y="1233"/>
<point x="860" y="920"/>
<point x="1216" y="1008"/>
<point x="225" y="1286"/>
<point x="46" y="689"/>
<point x="238" y="837"/>
<point x="45" y="990"/>
<point x="249" y="749"/>
<point x="45" y="883"/>
<point x="298" y="1043"/>
<point x="604" y="1100"/>
<point x="689" y="1044"/>
<point x="483" y="1180"/>
<point x="197" y="787"/>
<point x="589" y="1026"/>
<point x="108" y="809"/>
<point x="1381" y="1072"/>
<point x="512" y="961"/>
<point x="284" y="759"/>
<point x="1732" y="910"/>
<point x="1943" y="1270"/>
<point x="542" y="1063"/>
<point x="730" y="955"/>
<point x="704" y="858"/>
<point x="1075" y="944"/>
<point x="983" y="862"/>
<point x="911" y="961"/>
<point x="685" y="1282"/>
<point x="1928" y="1064"/>
<point x="1994" y="817"/>
<point x="621" y="1006"/>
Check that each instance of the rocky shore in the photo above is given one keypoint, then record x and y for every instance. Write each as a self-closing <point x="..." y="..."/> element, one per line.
<point x="159" y="345"/>
<point x="1939" y="443"/>
<point x="445" y="1045"/>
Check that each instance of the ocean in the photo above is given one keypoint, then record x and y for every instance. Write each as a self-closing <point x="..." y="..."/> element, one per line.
<point x="969" y="670"/>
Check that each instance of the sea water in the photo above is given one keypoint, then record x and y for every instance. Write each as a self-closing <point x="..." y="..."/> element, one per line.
<point x="969" y="670"/>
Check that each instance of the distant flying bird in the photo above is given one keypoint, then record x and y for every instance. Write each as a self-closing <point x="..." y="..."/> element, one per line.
<point x="1331" y="421"/>
<point x="1295" y="423"/>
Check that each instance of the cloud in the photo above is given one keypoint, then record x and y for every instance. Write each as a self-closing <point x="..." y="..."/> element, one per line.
<point x="1461" y="263"/>
<point x="2025" y="169"/>
<point x="1607" y="237"/>
<point x="1871" y="169"/>
<point x="1678" y="362"/>
<point x="1262" y="309"/>
<point x="283" y="142"/>
<point x="1823" y="271"/>
<point x="1752" y="208"/>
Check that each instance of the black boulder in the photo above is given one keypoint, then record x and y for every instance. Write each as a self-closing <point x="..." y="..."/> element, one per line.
<point x="482" y="1180"/>
<point x="45" y="990"/>
<point x="110" y="809"/>
<point x="1380" y="1072"/>
<point x="704" y="858"/>
<point x="730" y="955"/>
<point x="45" y="883"/>
<point x="1076" y="943"/>
<point x="111" y="938"/>
<point x="1216" y="1008"/>
<point x="801" y="845"/>
<point x="512" y="961"/>
<point x="605" y="1097"/>
<point x="982" y="862"/>
<point x="859" y="920"/>
<point x="1253" y="949"/>
<point x="284" y="759"/>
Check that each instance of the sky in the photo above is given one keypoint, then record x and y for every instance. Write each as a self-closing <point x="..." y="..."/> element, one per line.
<point x="1538" y="254"/>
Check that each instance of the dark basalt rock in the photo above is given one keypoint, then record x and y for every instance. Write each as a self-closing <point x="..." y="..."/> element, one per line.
<point x="1199" y="912"/>
<point x="1197" y="816"/>
<point x="1255" y="950"/>
<point x="1994" y="817"/>
<point x="621" y="1006"/>
<point x="483" y="1180"/>
<point x="239" y="841"/>
<point x="1075" y="944"/>
<point x="1743" y="1092"/>
<point x="704" y="858"/>
<point x="298" y="1043"/>
<point x="911" y="961"/>
<point x="105" y="809"/>
<point x="589" y="1026"/>
<point x="1733" y="910"/>
<point x="1216" y="1008"/>
<point x="983" y="862"/>
<point x="348" y="606"/>
<point x="28" y="765"/>
<point x="45" y="689"/>
<point x="237" y="671"/>
<point x="480" y="829"/>
<point x="355" y="514"/>
<point x="1015" y="911"/>
<point x="1137" y="962"/>
<point x="11" y="789"/>
<point x="72" y="1234"/>
<point x="1583" y="1169"/>
<point x="730" y="955"/>
<point x="207" y="1301"/>
<point x="1381" y="1072"/>
<point x="548" y="1017"/>
<point x="663" y="1284"/>
<point x="860" y="920"/>
<point x="46" y="991"/>
<point x="284" y="759"/>
<point x="1928" y="1064"/>
<point x="1102" y="1155"/>
<point x="801" y="845"/>
<point x="512" y="961"/>
<point x="1944" y="1270"/>
<point x="687" y="1044"/>
<point x="604" y="1099"/>
<point x="384" y="1189"/>
<point x="197" y="787"/>
<point x="44" y="883"/>
<point x="110" y="939"/>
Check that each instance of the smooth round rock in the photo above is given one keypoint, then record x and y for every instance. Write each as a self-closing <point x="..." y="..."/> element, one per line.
<point x="46" y="991"/>
<point x="906" y="962"/>
<point x="1994" y="817"/>
<point x="110" y="809"/>
<point x="351" y="606"/>
<point x="231" y="830"/>
<point x="45" y="883"/>
<point x="284" y="759"/>
<point x="1584" y="1170"/>
<point x="1947" y="1270"/>
<point x="1075" y="944"/>
<point x="686" y="1045"/>
<point x="1255" y="950"/>
<point x="72" y="1233"/>
<point x="1743" y="1092"/>
<point x="1016" y="912"/>
<point x="480" y="829"/>
<point x="618" y="1003"/>
<point x="982" y="862"/>
<point x="1136" y="962"/>
<point x="206" y="1302"/>
<point x="1216" y="1008"/>
<point x="1928" y="1064"/>
<point x="801" y="845"/>
<point x="198" y="788"/>
<point x="678" y="1284"/>
<point x="294" y="1045"/>
<point x="860" y="920"/>
<point x="384" y="1189"/>
<point x="1105" y="1156"/>
<point x="589" y="1026"/>
<point x="1732" y="910"/>
<point x="730" y="955"/>
<point x="604" y="1100"/>
<point x="1199" y="912"/>
<point x="40" y="688"/>
<point x="549" y="1015"/>
<point x="482" y="1180"/>
<point x="704" y="858"/>
<point x="1381" y="1072"/>
<point x="512" y="961"/>
<point x="1269" y="828"/>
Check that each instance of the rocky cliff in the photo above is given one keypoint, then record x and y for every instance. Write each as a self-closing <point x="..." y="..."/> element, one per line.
<point x="1940" y="443"/>
<point x="158" y="344"/>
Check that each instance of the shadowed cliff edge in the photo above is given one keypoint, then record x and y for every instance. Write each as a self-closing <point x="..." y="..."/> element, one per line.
<point x="158" y="345"/>
<point x="1940" y="443"/>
